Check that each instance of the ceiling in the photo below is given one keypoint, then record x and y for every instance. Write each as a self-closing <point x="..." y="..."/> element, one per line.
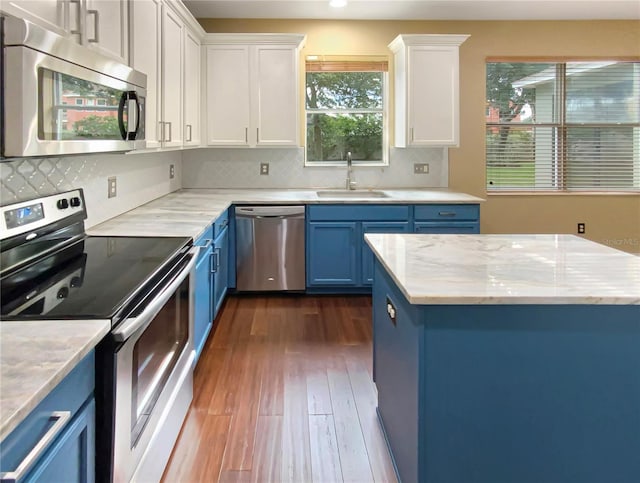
<point x="419" y="9"/>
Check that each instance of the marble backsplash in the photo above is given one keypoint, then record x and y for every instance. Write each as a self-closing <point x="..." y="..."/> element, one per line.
<point x="240" y="168"/>
<point x="140" y="179"/>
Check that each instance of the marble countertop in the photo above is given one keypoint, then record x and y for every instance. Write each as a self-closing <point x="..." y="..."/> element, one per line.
<point x="188" y="212"/>
<point x="507" y="269"/>
<point x="35" y="357"/>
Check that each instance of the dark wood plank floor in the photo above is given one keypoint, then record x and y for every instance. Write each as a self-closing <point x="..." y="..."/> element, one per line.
<point x="283" y="392"/>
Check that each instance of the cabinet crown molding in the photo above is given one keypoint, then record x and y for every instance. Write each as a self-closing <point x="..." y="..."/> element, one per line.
<point x="405" y="40"/>
<point x="293" y="39"/>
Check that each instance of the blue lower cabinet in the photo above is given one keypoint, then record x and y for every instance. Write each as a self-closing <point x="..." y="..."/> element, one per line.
<point x="58" y="436"/>
<point x="71" y="458"/>
<point x="331" y="253"/>
<point x="203" y="303"/>
<point x="438" y="227"/>
<point x="220" y="269"/>
<point x="203" y="291"/>
<point x="367" y="254"/>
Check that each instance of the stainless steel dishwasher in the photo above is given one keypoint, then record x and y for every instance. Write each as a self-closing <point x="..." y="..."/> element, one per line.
<point x="270" y="254"/>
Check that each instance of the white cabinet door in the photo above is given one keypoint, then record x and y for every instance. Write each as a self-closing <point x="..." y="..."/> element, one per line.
<point x="53" y="15"/>
<point x="426" y="90"/>
<point x="191" y="89"/>
<point x="172" y="36"/>
<point x="228" y="95"/>
<point x="146" y="18"/>
<point x="106" y="27"/>
<point x="275" y="104"/>
<point x="433" y="96"/>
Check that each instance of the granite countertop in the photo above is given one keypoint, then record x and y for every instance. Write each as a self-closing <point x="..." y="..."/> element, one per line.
<point x="35" y="357"/>
<point x="188" y="212"/>
<point x="507" y="269"/>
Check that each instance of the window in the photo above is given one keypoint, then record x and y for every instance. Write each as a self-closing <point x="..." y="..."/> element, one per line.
<point x="571" y="126"/>
<point x="79" y="101"/>
<point x="346" y="112"/>
<point x="101" y="102"/>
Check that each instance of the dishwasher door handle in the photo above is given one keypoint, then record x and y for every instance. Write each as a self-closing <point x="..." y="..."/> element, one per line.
<point x="279" y="217"/>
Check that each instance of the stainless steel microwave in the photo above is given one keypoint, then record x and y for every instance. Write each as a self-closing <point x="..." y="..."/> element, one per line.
<point x="61" y="98"/>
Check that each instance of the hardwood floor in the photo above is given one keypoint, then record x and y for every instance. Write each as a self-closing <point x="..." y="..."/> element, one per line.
<point x="283" y="392"/>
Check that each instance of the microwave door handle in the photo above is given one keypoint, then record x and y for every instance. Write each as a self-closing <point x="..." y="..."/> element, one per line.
<point x="123" y="100"/>
<point x="131" y="325"/>
<point x="134" y="110"/>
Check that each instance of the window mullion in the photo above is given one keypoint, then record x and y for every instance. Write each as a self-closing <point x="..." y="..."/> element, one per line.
<point x="561" y="106"/>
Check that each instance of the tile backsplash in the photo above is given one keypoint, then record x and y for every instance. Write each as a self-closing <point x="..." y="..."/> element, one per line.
<point x="140" y="178"/>
<point x="240" y="168"/>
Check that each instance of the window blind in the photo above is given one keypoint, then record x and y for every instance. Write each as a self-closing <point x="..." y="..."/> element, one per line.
<point x="335" y="63"/>
<point x="571" y="126"/>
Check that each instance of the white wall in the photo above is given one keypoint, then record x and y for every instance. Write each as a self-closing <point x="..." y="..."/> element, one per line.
<point x="140" y="179"/>
<point x="240" y="168"/>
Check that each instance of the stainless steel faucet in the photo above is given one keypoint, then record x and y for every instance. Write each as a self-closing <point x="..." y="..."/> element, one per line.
<point x="351" y="184"/>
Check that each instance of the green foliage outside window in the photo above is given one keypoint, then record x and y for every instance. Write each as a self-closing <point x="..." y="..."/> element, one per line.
<point x="345" y="114"/>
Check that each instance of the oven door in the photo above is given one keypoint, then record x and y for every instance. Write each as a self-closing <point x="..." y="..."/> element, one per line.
<point x="153" y="371"/>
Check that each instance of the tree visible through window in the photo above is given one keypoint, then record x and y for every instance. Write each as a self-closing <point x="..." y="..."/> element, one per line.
<point x="565" y="126"/>
<point x="345" y="113"/>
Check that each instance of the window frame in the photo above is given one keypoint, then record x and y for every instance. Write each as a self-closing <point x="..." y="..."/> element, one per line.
<point x="561" y="165"/>
<point x="385" y="124"/>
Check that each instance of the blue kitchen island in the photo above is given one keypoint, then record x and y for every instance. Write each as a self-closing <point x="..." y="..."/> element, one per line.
<point x="507" y="358"/>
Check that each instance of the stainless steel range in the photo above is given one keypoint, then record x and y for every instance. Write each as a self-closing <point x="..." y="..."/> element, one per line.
<point x="51" y="270"/>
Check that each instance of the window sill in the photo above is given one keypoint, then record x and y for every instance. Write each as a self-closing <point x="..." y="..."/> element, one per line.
<point x="343" y="164"/>
<point x="562" y="193"/>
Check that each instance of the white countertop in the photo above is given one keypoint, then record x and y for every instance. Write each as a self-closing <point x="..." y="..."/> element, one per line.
<point x="188" y="212"/>
<point x="507" y="269"/>
<point x="35" y="357"/>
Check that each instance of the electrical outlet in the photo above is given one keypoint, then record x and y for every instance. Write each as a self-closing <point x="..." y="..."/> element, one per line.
<point x="420" y="168"/>
<point x="111" y="187"/>
<point x="172" y="171"/>
<point x="581" y="228"/>
<point x="264" y="168"/>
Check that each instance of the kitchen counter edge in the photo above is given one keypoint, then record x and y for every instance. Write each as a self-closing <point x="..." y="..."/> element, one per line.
<point x="35" y="357"/>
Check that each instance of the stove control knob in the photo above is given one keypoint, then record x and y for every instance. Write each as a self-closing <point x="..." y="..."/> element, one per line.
<point x="75" y="201"/>
<point x="63" y="204"/>
<point x="63" y="293"/>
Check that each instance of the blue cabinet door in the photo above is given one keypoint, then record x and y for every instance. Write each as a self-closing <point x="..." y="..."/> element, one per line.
<point x="220" y="269"/>
<point x="437" y="227"/>
<point x="72" y="457"/>
<point x="203" y="304"/>
<point x="367" y="254"/>
<point x="331" y="253"/>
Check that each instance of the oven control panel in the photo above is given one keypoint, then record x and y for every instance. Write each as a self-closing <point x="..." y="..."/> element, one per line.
<point x="28" y="216"/>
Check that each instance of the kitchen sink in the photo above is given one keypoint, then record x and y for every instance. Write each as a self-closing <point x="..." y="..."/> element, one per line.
<point x="351" y="194"/>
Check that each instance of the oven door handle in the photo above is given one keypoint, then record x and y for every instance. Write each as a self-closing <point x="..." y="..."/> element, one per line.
<point x="133" y="324"/>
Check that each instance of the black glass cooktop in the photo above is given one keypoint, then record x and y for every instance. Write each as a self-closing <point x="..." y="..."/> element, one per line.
<point x="92" y="278"/>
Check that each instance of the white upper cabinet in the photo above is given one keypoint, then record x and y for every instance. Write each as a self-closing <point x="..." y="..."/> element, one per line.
<point x="101" y="25"/>
<point x="107" y="27"/>
<point x="228" y="101"/>
<point x="276" y="102"/>
<point x="172" y="87"/>
<point x="53" y="15"/>
<point x="146" y="27"/>
<point x="191" y="84"/>
<point x="165" y="45"/>
<point x="426" y="78"/>
<point x="253" y="89"/>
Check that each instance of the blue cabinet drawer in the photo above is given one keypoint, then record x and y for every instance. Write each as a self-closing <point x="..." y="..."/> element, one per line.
<point x="66" y="399"/>
<point x="221" y="223"/>
<point x="205" y="241"/>
<point x="436" y="227"/>
<point x="447" y="212"/>
<point x="358" y="212"/>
